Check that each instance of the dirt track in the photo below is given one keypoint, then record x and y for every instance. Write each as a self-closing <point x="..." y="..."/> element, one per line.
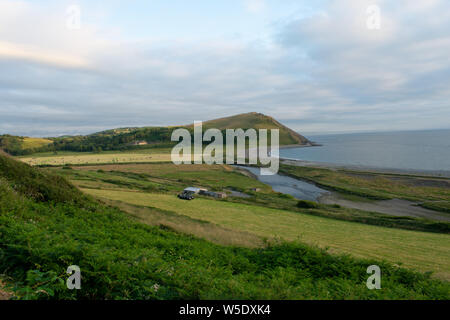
<point x="4" y="295"/>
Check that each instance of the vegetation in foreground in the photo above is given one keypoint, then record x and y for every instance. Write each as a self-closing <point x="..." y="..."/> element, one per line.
<point x="416" y="250"/>
<point x="42" y="232"/>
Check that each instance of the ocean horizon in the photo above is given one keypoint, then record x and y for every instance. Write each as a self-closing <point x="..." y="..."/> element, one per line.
<point x="427" y="150"/>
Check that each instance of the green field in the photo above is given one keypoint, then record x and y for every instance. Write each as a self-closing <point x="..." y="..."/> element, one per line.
<point x="33" y="143"/>
<point x="170" y="178"/>
<point x="95" y="158"/>
<point x="417" y="250"/>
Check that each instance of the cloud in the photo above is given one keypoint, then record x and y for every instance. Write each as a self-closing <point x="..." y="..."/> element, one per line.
<point x="28" y="53"/>
<point x="323" y="72"/>
<point x="387" y="72"/>
<point x="255" y="6"/>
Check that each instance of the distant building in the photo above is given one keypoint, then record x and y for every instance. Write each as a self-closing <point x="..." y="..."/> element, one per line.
<point x="194" y="190"/>
<point x="139" y="143"/>
<point x="205" y="192"/>
<point x="219" y="195"/>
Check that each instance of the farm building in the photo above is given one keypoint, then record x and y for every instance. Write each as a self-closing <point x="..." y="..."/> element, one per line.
<point x="219" y="195"/>
<point x="195" y="190"/>
<point x="205" y="192"/>
<point x="139" y="143"/>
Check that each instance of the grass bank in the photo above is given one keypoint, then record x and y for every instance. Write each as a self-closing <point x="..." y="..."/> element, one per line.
<point x="417" y="250"/>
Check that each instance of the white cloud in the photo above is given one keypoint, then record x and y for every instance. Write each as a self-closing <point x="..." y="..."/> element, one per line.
<point x="255" y="6"/>
<point x="30" y="53"/>
<point x="324" y="72"/>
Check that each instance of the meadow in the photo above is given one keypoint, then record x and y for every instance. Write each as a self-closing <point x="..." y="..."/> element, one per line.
<point x="34" y="143"/>
<point x="417" y="250"/>
<point x="46" y="225"/>
<point x="73" y="158"/>
<point x="169" y="178"/>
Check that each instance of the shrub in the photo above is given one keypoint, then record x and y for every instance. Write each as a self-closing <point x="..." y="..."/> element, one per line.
<point x="305" y="204"/>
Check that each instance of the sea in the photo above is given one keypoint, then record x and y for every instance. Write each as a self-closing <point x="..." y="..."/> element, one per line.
<point x="406" y="150"/>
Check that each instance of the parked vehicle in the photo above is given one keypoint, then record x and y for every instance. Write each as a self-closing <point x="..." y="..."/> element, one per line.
<point x="186" y="196"/>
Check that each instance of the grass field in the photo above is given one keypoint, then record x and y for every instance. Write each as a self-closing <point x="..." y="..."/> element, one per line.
<point x="163" y="177"/>
<point x="169" y="178"/>
<point x="32" y="143"/>
<point x="416" y="250"/>
<point x="95" y="158"/>
<point x="186" y="225"/>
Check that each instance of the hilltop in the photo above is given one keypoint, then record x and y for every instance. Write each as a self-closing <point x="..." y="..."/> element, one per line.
<point x="257" y="121"/>
<point x="144" y="137"/>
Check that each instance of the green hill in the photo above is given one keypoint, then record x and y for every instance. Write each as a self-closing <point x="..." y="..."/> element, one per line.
<point x="22" y="145"/>
<point x="125" y="138"/>
<point x="47" y="225"/>
<point x="257" y="121"/>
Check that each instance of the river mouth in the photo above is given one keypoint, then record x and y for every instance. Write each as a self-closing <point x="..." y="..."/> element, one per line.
<point x="303" y="190"/>
<point x="297" y="188"/>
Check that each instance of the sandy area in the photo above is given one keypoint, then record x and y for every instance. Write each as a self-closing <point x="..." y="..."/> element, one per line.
<point x="425" y="173"/>
<point x="394" y="207"/>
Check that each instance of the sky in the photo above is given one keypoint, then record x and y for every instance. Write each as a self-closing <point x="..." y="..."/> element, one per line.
<point x="78" y="67"/>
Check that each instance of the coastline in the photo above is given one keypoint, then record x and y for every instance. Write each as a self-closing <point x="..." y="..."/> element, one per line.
<point x="325" y="165"/>
<point x="292" y="146"/>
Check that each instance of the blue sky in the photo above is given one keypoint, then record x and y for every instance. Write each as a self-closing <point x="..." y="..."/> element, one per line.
<point x="314" y="65"/>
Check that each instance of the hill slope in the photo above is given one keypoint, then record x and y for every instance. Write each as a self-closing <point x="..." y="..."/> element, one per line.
<point x="22" y="145"/>
<point x="124" y="138"/>
<point x="122" y="259"/>
<point x="257" y="121"/>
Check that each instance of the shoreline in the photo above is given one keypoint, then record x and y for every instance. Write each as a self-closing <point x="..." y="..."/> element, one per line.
<point x="360" y="168"/>
<point x="292" y="146"/>
<point x="367" y="169"/>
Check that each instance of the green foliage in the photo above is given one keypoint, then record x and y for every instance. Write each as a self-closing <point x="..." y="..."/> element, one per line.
<point x="443" y="206"/>
<point x="37" y="184"/>
<point x="307" y="204"/>
<point x="11" y="144"/>
<point x="38" y="285"/>
<point x="122" y="259"/>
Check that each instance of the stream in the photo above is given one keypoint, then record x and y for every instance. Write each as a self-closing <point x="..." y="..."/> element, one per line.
<point x="299" y="189"/>
<point x="307" y="191"/>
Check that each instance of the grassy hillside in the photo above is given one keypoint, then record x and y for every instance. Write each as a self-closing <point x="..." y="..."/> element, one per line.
<point x="123" y="138"/>
<point x="42" y="232"/>
<point x="22" y="145"/>
<point x="257" y="121"/>
<point x="417" y="250"/>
